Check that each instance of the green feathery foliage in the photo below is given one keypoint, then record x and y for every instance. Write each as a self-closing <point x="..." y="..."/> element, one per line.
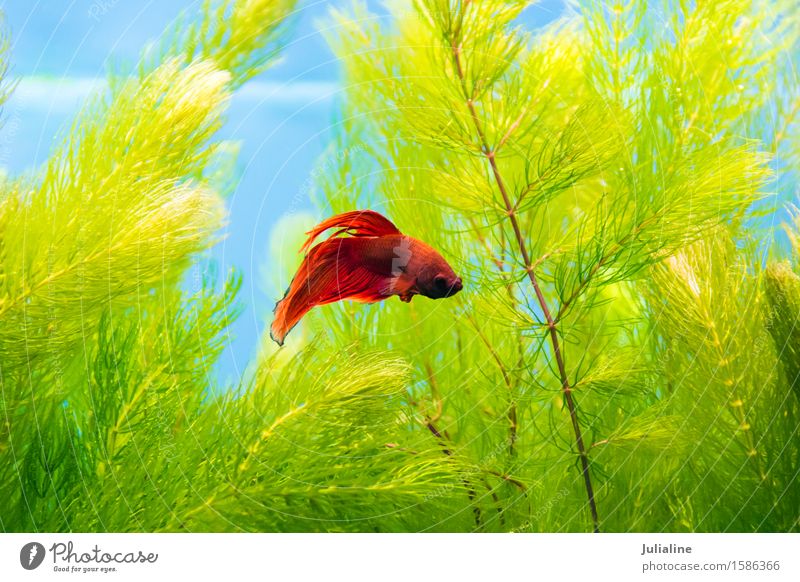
<point x="623" y="356"/>
<point x="111" y="420"/>
<point x="594" y="182"/>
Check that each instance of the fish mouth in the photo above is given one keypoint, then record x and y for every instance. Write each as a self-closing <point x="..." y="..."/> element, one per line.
<point x="455" y="286"/>
<point x="442" y="287"/>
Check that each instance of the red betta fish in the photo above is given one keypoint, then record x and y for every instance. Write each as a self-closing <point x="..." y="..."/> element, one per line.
<point x="374" y="263"/>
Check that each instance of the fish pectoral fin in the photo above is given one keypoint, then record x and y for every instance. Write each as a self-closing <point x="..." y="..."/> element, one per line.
<point x="404" y="286"/>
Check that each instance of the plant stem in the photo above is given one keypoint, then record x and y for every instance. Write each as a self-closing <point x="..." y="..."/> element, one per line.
<point x="551" y="325"/>
<point x="442" y="437"/>
<point x="512" y="407"/>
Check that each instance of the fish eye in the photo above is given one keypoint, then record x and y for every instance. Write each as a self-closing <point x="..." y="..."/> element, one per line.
<point x="440" y="281"/>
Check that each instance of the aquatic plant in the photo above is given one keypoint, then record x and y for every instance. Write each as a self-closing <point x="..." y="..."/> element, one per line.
<point x="622" y="356"/>
<point x="599" y="182"/>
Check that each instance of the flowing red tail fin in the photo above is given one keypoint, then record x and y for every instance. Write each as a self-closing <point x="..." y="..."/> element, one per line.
<point x="332" y="270"/>
<point x="355" y="223"/>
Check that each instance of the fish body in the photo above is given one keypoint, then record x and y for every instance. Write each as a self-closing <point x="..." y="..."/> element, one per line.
<point x="376" y="262"/>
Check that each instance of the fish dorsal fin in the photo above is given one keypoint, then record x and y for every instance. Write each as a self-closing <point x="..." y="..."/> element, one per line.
<point x="354" y="223"/>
